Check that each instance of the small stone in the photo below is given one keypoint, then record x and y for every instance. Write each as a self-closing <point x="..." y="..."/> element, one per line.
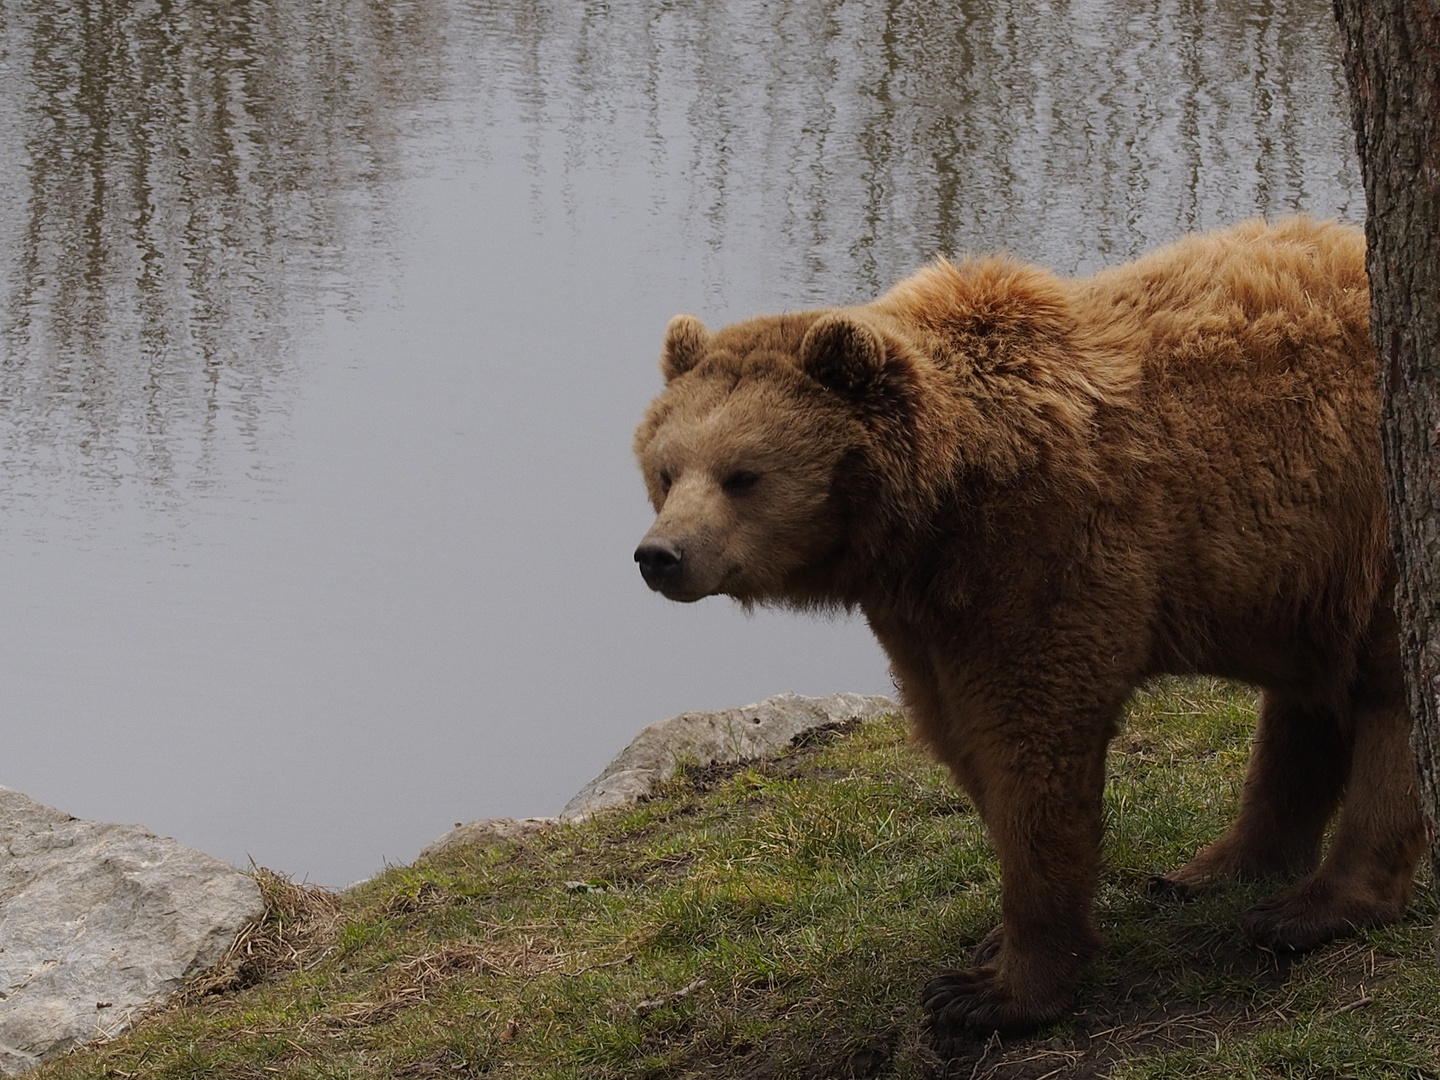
<point x="584" y="887"/>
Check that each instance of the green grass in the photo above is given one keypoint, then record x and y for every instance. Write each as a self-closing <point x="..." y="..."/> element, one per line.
<point x="777" y="920"/>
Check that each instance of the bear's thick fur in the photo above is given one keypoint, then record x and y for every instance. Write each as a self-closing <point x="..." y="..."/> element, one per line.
<point x="1042" y="492"/>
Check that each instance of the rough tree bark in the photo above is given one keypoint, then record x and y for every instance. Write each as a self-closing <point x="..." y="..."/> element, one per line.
<point x="1391" y="53"/>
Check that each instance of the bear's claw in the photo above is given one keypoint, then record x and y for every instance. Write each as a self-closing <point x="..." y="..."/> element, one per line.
<point x="1309" y="915"/>
<point x="961" y="1005"/>
<point x="1168" y="888"/>
<point x="989" y="947"/>
<point x="1269" y="925"/>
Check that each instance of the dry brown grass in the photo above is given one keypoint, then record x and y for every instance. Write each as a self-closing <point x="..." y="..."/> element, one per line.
<point x="410" y="982"/>
<point x="298" y="929"/>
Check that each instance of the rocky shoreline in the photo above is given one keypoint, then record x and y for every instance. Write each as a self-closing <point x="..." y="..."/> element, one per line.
<point x="100" y="922"/>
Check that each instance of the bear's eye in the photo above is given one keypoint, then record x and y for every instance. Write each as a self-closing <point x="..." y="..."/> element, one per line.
<point x="665" y="481"/>
<point x="739" y="482"/>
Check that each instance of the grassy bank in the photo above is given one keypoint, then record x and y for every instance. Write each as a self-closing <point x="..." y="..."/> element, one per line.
<point x="778" y="920"/>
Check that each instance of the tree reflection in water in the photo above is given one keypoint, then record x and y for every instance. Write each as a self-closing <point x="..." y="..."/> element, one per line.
<point x="188" y="181"/>
<point x="185" y="182"/>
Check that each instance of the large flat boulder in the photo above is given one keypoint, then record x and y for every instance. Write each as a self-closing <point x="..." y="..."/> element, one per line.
<point x="703" y="738"/>
<point x="99" y="922"/>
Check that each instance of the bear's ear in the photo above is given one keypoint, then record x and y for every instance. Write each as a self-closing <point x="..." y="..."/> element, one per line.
<point x="842" y="353"/>
<point x="685" y="342"/>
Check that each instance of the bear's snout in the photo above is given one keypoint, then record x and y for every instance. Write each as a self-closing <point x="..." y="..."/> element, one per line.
<point x="660" y="563"/>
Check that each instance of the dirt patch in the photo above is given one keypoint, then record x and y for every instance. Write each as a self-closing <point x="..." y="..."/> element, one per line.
<point x="825" y="734"/>
<point x="652" y="871"/>
<point x="1144" y="1018"/>
<point x="425" y="896"/>
<point x="1097" y="1037"/>
<point x="790" y="763"/>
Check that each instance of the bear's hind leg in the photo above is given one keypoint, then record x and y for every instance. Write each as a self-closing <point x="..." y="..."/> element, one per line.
<point x="1369" y="871"/>
<point x="1299" y="760"/>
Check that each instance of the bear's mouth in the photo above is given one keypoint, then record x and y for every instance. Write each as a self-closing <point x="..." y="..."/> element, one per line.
<point x="681" y="595"/>
<point x="687" y="592"/>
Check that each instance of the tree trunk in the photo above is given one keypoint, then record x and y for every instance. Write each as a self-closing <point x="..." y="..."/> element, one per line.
<point x="1391" y="53"/>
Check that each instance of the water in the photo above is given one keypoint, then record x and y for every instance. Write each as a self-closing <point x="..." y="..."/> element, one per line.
<point x="324" y="327"/>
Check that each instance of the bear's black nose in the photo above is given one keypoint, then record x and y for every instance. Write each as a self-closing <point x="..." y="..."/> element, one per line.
<point x="659" y="563"/>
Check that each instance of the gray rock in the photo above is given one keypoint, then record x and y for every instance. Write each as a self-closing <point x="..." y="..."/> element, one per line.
<point x="704" y="738"/>
<point x="486" y="832"/>
<point x="98" y="923"/>
<point x="699" y="738"/>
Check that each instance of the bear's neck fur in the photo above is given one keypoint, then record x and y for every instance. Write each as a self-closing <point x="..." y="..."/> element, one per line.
<point x="1003" y="401"/>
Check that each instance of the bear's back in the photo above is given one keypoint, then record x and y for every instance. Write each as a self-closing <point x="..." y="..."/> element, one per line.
<point x="1260" y="405"/>
<point x="1252" y="303"/>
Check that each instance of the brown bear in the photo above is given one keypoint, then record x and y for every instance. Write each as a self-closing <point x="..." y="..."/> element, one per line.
<point x="1042" y="492"/>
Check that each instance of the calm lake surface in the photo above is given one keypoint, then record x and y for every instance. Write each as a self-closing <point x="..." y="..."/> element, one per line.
<point x="324" y="327"/>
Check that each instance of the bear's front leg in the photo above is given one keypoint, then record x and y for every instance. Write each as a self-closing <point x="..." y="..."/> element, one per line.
<point x="1039" y="789"/>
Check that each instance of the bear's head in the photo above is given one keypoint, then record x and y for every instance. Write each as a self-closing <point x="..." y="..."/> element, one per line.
<point x="747" y="451"/>
<point x="799" y="458"/>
